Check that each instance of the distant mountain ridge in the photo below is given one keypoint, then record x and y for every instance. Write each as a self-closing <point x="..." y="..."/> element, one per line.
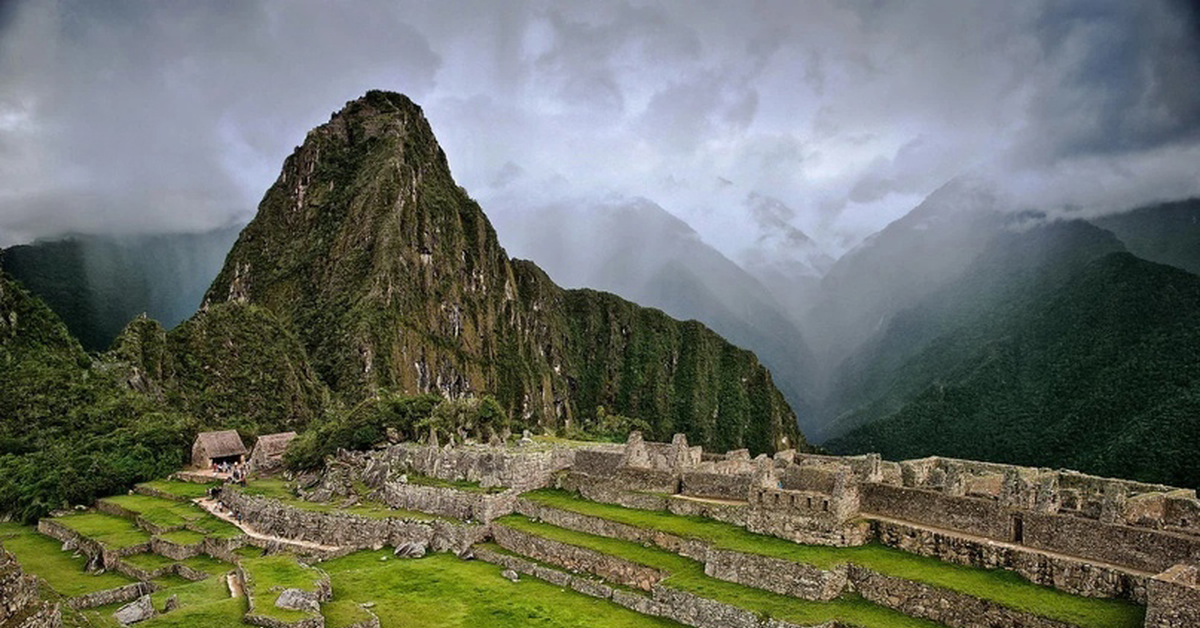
<point x="98" y="283"/>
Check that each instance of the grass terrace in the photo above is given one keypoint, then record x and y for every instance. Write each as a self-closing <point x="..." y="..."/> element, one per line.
<point x="280" y="490"/>
<point x="42" y="556"/>
<point x="271" y="574"/>
<point x="183" y="537"/>
<point x="441" y="591"/>
<point x="459" y="485"/>
<point x="688" y="575"/>
<point x="182" y="490"/>
<point x="112" y="532"/>
<point x="999" y="586"/>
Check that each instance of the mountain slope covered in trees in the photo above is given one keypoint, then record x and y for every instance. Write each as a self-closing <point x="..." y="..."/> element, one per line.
<point x="1056" y="348"/>
<point x="392" y="278"/>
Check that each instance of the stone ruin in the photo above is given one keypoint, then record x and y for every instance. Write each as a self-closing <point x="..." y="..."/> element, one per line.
<point x="1081" y="534"/>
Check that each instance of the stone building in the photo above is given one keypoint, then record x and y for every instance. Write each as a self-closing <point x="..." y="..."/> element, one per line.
<point x="268" y="451"/>
<point x="211" y="448"/>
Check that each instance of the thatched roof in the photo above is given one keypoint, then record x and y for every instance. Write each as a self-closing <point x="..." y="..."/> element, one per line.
<point x="221" y="444"/>
<point x="274" y="444"/>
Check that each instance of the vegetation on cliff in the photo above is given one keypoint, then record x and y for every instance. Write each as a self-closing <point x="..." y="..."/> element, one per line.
<point x="392" y="279"/>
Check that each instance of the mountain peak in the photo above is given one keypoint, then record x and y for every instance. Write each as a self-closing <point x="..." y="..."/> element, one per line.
<point x="392" y="277"/>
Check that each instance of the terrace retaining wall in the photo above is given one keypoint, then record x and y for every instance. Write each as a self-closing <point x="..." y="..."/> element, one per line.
<point x="109" y="557"/>
<point x="126" y="593"/>
<point x="20" y="604"/>
<point x="663" y="601"/>
<point x="1071" y="575"/>
<point x="275" y="518"/>
<point x="940" y="605"/>
<point x="448" y="502"/>
<point x="574" y="558"/>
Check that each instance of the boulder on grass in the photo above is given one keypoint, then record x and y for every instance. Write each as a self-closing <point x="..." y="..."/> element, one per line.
<point x="297" y="600"/>
<point x="140" y="609"/>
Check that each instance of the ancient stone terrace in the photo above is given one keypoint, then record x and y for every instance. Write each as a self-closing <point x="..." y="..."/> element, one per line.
<point x="664" y="532"/>
<point x="1082" y="534"/>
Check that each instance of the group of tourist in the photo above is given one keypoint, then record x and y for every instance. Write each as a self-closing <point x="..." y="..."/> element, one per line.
<point x="235" y="470"/>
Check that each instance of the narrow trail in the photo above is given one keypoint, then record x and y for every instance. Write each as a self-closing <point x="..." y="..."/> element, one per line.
<point x="214" y="509"/>
<point x="235" y="585"/>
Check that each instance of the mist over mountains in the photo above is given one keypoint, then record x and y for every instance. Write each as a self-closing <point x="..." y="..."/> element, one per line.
<point x="953" y="302"/>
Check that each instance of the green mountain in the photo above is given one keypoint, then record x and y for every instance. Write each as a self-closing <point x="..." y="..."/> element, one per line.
<point x="391" y="277"/>
<point x="638" y="250"/>
<point x="97" y="283"/>
<point x="1168" y="233"/>
<point x="1055" y="348"/>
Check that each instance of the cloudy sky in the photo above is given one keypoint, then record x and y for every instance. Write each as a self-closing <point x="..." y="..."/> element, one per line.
<point x="168" y="115"/>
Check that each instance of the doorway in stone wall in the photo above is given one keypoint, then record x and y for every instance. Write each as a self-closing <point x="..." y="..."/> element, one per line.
<point x="1018" y="528"/>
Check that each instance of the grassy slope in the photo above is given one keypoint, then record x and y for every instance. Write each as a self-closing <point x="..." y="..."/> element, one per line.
<point x="995" y="585"/>
<point x="441" y="591"/>
<point x="42" y="556"/>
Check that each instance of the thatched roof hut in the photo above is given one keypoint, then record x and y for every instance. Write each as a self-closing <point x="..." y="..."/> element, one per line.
<point x="213" y="447"/>
<point x="268" y="451"/>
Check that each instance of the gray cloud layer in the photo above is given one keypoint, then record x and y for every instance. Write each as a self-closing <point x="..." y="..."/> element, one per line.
<point x="145" y="116"/>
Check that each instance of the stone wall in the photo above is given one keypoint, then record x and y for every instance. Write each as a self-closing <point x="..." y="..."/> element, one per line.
<point x="1174" y="598"/>
<point x="663" y="601"/>
<point x="20" y="604"/>
<point x="109" y="557"/>
<point x="276" y="518"/>
<point x="523" y="468"/>
<point x="716" y="485"/>
<point x="940" y="605"/>
<point x="784" y="577"/>
<point x="962" y="514"/>
<point x="574" y="558"/>
<point x="448" y="502"/>
<point x="597" y="462"/>
<point x="126" y="593"/>
<point x="1071" y="575"/>
<point x="1136" y="547"/>
<point x="733" y="513"/>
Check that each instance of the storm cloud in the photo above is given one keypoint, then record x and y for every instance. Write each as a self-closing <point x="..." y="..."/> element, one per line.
<point x="158" y="116"/>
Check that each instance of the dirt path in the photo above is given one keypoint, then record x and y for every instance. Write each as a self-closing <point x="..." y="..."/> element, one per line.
<point x="214" y="508"/>
<point x="235" y="585"/>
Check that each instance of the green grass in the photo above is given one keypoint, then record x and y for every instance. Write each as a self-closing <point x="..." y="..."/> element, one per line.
<point x="688" y="575"/>
<point x="279" y="490"/>
<point x="343" y="613"/>
<point x="1002" y="587"/>
<point x="459" y="485"/>
<point x="248" y="551"/>
<point x="42" y="556"/>
<point x="441" y="591"/>
<point x="208" y="565"/>
<point x="160" y="512"/>
<point x="183" y="490"/>
<point x="216" y="528"/>
<point x="147" y="561"/>
<point x="182" y="537"/>
<point x="202" y="604"/>
<point x="171" y="514"/>
<point x="112" y="532"/>
<point x="270" y="574"/>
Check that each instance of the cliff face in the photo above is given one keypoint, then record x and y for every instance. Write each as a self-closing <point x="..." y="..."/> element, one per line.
<point x="391" y="276"/>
